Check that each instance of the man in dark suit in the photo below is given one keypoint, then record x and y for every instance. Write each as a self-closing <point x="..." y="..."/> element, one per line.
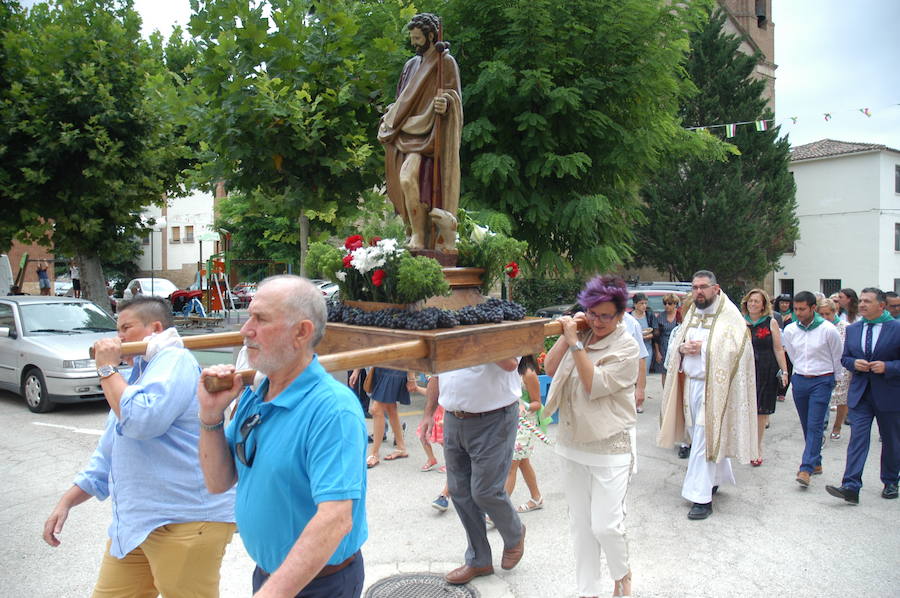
<point x="872" y="353"/>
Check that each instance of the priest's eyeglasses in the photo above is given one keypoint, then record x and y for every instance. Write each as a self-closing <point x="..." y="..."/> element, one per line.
<point x="244" y="455"/>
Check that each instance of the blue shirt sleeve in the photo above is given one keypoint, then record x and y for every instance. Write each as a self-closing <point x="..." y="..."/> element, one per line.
<point x="159" y="395"/>
<point x="95" y="478"/>
<point x="336" y="457"/>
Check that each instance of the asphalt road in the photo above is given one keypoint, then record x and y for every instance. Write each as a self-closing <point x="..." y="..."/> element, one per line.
<point x="766" y="537"/>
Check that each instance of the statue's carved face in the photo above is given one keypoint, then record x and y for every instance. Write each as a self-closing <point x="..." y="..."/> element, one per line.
<point x="419" y="41"/>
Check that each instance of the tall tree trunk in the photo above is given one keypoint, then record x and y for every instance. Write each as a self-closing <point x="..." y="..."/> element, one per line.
<point x="93" y="283"/>
<point x="304" y="241"/>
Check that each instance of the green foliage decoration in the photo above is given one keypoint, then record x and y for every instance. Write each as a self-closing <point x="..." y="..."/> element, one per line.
<point x="322" y="260"/>
<point x="419" y="278"/>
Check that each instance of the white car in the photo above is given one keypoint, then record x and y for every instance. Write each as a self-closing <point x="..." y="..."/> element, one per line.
<point x="158" y="287"/>
<point x="44" y="349"/>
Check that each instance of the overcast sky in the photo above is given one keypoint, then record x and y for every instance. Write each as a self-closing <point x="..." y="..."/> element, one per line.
<point x="834" y="56"/>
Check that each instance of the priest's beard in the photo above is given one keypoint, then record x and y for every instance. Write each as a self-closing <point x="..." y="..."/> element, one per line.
<point x="702" y="302"/>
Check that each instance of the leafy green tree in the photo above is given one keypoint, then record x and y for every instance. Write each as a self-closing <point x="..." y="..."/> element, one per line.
<point x="734" y="217"/>
<point x="82" y="148"/>
<point x="288" y="96"/>
<point x="568" y="106"/>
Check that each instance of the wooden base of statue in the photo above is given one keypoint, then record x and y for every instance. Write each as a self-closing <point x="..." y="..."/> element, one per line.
<point x="440" y="350"/>
<point x="465" y="289"/>
<point x="445" y="259"/>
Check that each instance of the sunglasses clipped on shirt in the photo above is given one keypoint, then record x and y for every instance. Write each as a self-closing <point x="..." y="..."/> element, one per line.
<point x="243" y="455"/>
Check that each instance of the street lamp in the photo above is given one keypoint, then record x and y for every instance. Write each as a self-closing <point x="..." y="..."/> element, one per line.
<point x="158" y="225"/>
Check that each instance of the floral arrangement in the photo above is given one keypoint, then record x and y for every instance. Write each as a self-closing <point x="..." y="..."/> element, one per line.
<point x="381" y="270"/>
<point x="496" y="252"/>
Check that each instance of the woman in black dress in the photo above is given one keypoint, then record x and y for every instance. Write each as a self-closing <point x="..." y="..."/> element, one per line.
<point x="768" y="353"/>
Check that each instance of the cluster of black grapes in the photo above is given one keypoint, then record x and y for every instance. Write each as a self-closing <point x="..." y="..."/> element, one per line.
<point x="491" y="311"/>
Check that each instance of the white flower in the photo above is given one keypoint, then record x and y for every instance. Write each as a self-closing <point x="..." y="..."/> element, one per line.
<point x="389" y="246"/>
<point x="342" y="276"/>
<point x="367" y="258"/>
<point x="479" y="233"/>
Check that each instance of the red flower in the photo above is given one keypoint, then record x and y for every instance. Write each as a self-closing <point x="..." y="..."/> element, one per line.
<point x="353" y="242"/>
<point x="347" y="259"/>
<point x="763" y="332"/>
<point x="374" y="241"/>
<point x="512" y="269"/>
<point x="378" y="277"/>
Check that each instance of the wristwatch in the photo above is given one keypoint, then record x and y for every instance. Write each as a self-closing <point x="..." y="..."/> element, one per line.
<point x="578" y="346"/>
<point x="105" y="371"/>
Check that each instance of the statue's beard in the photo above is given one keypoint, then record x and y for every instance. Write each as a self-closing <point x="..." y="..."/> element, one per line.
<point x="420" y="50"/>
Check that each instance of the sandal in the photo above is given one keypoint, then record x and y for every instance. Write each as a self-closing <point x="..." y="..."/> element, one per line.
<point x="372" y="461"/>
<point x="756" y="462"/>
<point x="428" y="466"/>
<point x="531" y="505"/>
<point x="397" y="455"/>
<point x="835" y="435"/>
<point x="442" y="469"/>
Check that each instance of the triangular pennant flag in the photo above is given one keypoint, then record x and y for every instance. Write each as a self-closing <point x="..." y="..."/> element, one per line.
<point x="762" y="125"/>
<point x="866" y="112"/>
<point x="730" y="130"/>
<point x="827" y="116"/>
<point x="794" y="119"/>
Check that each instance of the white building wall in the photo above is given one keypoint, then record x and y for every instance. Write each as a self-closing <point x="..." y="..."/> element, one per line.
<point x="195" y="210"/>
<point x="847" y="208"/>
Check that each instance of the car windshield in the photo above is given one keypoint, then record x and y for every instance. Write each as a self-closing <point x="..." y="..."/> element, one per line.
<point x="65" y="318"/>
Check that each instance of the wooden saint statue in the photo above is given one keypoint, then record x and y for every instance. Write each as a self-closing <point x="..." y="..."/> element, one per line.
<point x="421" y="136"/>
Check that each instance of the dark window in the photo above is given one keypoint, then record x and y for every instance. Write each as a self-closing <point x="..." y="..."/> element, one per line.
<point x="897" y="285"/>
<point x="145" y="238"/>
<point x="897" y="179"/>
<point x="897" y="237"/>
<point x="830" y="286"/>
<point x="761" y="16"/>
<point x="787" y="286"/>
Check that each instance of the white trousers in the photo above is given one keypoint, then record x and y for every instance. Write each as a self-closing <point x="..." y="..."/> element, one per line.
<point x="596" y="497"/>
<point x="701" y="475"/>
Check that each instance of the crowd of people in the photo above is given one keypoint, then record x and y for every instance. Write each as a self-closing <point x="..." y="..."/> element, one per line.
<point x="286" y="458"/>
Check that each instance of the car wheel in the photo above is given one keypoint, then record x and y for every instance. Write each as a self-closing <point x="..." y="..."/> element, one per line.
<point x="34" y="389"/>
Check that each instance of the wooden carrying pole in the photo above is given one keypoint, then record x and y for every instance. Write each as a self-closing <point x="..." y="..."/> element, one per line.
<point x="344" y="360"/>
<point x="348" y="360"/>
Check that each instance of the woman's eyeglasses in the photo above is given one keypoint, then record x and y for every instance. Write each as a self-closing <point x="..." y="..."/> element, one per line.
<point x="602" y="317"/>
<point x="243" y="455"/>
<point x="670" y="303"/>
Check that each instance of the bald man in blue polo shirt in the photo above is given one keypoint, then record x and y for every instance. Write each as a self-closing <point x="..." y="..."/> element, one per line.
<point x="296" y="448"/>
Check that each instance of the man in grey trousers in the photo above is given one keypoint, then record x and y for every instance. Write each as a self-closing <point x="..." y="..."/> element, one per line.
<point x="482" y="413"/>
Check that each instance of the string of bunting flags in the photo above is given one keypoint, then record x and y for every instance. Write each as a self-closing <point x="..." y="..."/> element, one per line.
<point x="763" y="125"/>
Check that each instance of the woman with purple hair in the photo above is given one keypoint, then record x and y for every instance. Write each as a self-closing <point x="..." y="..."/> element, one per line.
<point x="594" y="375"/>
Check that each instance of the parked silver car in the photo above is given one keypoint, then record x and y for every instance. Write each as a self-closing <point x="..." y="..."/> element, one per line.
<point x="44" y="344"/>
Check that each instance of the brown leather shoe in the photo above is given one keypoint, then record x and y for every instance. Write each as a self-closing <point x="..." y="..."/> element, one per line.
<point x="512" y="556"/>
<point x="466" y="573"/>
<point x="817" y="470"/>
<point x="803" y="478"/>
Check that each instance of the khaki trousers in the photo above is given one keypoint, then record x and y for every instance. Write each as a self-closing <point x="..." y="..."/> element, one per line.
<point x="179" y="560"/>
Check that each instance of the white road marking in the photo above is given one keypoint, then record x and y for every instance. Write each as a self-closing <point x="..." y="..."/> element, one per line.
<point x="72" y="428"/>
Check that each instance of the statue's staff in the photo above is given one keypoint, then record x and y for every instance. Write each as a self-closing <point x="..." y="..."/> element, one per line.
<point x="436" y="196"/>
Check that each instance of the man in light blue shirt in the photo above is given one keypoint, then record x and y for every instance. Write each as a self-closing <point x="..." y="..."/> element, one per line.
<point x="168" y="534"/>
<point x="296" y="449"/>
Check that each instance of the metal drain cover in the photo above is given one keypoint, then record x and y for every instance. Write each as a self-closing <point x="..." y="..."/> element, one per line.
<point x="419" y="585"/>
